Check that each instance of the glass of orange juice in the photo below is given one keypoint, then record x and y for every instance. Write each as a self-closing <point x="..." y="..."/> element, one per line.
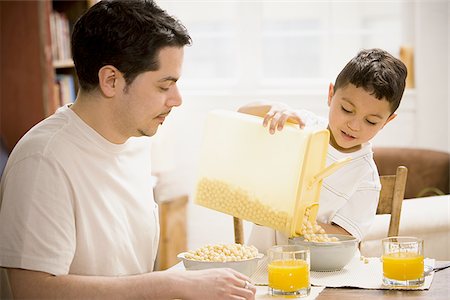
<point x="288" y="270"/>
<point x="403" y="261"/>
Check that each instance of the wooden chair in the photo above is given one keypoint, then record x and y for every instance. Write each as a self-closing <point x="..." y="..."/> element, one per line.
<point x="238" y="231"/>
<point x="391" y="197"/>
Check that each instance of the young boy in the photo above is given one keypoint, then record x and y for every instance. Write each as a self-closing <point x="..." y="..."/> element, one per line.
<point x="364" y="98"/>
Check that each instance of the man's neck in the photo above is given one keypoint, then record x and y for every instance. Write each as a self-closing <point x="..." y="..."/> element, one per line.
<point x="96" y="112"/>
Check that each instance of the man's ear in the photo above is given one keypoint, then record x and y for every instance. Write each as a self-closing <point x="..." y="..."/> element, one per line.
<point x="108" y="77"/>
<point x="330" y="93"/>
<point x="391" y="117"/>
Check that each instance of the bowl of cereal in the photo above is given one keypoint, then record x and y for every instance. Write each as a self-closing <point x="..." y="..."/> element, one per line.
<point x="330" y="252"/>
<point x="241" y="258"/>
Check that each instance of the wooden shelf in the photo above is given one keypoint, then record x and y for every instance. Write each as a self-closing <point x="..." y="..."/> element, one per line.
<point x="28" y="92"/>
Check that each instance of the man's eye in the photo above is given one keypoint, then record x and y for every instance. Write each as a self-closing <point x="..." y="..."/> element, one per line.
<point x="164" y="89"/>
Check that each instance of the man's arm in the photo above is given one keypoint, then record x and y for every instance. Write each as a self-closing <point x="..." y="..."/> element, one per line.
<point x="214" y="284"/>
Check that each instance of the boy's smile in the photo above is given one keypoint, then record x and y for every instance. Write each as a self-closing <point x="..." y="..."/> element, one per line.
<point x="355" y="117"/>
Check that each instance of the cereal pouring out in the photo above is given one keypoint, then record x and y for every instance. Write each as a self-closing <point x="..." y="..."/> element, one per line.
<point x="313" y="232"/>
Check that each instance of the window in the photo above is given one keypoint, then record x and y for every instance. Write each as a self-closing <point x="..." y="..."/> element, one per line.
<point x="254" y="45"/>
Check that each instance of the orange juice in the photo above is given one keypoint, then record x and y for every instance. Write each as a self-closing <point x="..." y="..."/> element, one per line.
<point x="403" y="266"/>
<point x="288" y="275"/>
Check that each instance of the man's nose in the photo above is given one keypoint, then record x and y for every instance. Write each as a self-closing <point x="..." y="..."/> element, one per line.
<point x="175" y="98"/>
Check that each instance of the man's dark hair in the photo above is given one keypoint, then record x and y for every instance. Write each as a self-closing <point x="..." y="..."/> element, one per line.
<point x="125" y="34"/>
<point x="377" y="72"/>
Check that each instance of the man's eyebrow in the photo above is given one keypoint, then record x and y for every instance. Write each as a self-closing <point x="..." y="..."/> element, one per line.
<point x="168" y="78"/>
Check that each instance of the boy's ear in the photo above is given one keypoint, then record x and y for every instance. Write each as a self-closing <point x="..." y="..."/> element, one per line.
<point x="107" y="80"/>
<point x="391" y="117"/>
<point x="330" y="93"/>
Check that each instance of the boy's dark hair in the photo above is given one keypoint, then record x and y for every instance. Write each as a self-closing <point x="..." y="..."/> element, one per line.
<point x="125" y="34"/>
<point x="377" y="72"/>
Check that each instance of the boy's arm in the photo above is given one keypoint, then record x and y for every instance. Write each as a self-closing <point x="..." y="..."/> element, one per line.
<point x="216" y="283"/>
<point x="274" y="112"/>
<point x="333" y="229"/>
<point x="259" y="108"/>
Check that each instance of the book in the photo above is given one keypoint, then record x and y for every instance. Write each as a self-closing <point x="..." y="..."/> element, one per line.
<point x="66" y="88"/>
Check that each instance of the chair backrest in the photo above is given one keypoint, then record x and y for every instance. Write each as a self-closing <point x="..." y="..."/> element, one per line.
<point x="429" y="170"/>
<point x="390" y="202"/>
<point x="238" y="231"/>
<point x="391" y="197"/>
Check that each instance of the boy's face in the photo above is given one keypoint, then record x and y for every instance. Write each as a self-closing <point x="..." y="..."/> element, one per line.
<point x="355" y="117"/>
<point x="148" y="100"/>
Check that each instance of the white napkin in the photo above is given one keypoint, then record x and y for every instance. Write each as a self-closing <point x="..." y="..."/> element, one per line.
<point x="358" y="274"/>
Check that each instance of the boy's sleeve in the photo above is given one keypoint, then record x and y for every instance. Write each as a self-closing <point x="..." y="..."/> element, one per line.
<point x="358" y="214"/>
<point x="312" y="120"/>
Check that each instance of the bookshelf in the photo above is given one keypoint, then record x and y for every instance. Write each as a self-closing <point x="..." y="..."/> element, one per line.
<point x="33" y="78"/>
<point x="62" y="19"/>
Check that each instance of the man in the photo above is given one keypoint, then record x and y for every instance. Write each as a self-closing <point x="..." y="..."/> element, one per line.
<point x="77" y="216"/>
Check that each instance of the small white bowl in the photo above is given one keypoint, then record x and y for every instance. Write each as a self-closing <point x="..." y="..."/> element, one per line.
<point x="246" y="267"/>
<point x="329" y="256"/>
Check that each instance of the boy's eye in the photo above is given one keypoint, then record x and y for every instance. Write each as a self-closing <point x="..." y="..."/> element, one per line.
<point x="346" y="110"/>
<point x="371" y="123"/>
<point x="163" y="88"/>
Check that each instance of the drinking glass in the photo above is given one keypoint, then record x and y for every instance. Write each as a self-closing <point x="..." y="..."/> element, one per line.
<point x="288" y="269"/>
<point x="403" y="261"/>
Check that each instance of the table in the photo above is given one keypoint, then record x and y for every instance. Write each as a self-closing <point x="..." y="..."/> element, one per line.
<point x="440" y="289"/>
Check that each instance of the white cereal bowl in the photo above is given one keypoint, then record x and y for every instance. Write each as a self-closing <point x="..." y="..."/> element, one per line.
<point x="329" y="256"/>
<point x="246" y="267"/>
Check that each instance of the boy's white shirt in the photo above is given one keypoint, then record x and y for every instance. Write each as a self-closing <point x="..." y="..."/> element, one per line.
<point x="348" y="198"/>
<point x="74" y="203"/>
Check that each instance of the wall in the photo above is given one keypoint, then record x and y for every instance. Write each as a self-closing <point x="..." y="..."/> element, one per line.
<point x="432" y="68"/>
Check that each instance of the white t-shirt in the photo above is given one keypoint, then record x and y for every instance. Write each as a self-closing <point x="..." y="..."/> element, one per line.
<point x="348" y="198"/>
<point x="74" y="203"/>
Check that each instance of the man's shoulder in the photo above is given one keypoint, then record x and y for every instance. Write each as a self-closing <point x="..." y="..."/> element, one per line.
<point x="41" y="138"/>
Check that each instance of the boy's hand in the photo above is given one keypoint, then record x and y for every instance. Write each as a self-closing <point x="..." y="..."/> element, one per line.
<point x="278" y="115"/>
